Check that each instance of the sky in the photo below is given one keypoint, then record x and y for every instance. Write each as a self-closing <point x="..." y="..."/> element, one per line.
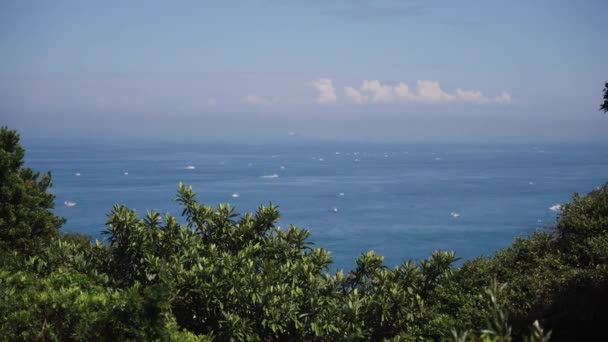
<point x="407" y="70"/>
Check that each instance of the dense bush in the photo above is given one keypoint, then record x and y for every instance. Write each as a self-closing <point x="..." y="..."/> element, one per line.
<point x="223" y="276"/>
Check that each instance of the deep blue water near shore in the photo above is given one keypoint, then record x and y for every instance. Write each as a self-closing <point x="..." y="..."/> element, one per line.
<point x="398" y="199"/>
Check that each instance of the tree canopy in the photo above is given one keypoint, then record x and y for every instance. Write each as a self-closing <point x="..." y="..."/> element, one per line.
<point x="25" y="220"/>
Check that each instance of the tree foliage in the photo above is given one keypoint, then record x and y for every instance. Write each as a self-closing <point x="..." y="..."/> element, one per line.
<point x="221" y="276"/>
<point x="25" y="220"/>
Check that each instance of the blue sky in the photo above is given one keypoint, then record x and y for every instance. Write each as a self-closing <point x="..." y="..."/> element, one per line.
<point x="384" y="70"/>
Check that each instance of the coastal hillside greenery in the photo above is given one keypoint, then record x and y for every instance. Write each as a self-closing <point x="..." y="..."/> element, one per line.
<point x="221" y="276"/>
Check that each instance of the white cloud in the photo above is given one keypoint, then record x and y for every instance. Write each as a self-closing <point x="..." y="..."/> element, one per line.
<point x="259" y="101"/>
<point x="380" y="93"/>
<point x="503" y="98"/>
<point x="355" y="96"/>
<point x="403" y="93"/>
<point x="327" y="92"/>
<point x="373" y="91"/>
<point x="430" y="91"/>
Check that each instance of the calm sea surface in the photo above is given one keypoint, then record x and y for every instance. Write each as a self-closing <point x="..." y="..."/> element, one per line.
<point x="401" y="200"/>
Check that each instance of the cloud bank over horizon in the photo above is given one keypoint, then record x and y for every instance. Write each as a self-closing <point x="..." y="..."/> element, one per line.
<point x="375" y="92"/>
<point x="237" y="106"/>
<point x="130" y="93"/>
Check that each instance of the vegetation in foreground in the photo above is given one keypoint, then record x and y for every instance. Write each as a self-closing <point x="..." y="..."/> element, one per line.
<point x="224" y="276"/>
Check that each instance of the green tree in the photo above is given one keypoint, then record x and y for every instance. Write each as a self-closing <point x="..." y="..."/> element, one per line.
<point x="26" y="222"/>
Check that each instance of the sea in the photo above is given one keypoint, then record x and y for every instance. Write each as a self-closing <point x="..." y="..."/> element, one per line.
<point x="401" y="200"/>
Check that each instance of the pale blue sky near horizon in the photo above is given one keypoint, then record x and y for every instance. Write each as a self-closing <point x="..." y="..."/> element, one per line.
<point x="351" y="70"/>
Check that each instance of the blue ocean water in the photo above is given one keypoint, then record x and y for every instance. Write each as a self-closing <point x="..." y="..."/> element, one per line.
<point x="401" y="200"/>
